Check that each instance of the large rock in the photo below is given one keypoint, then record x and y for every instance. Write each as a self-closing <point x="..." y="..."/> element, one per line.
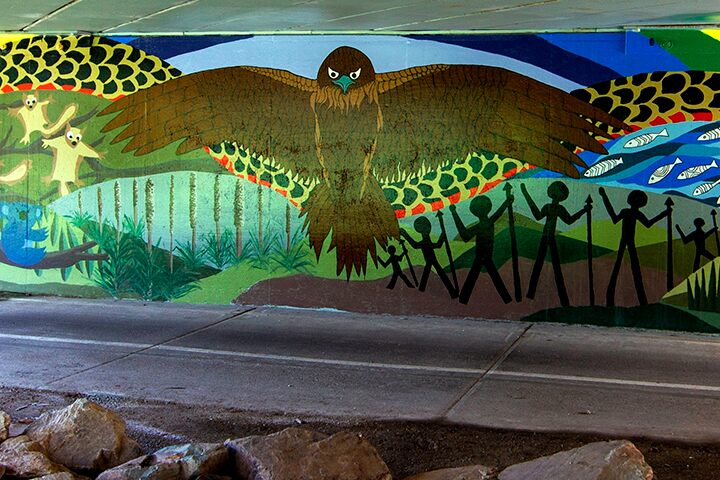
<point x="297" y="453"/>
<point x="472" y="472"/>
<point x="176" y="462"/>
<point x="4" y="426"/>
<point x="616" y="460"/>
<point x="84" y="436"/>
<point x="23" y="458"/>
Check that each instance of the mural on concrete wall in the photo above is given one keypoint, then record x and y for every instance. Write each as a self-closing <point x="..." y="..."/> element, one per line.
<point x="549" y="177"/>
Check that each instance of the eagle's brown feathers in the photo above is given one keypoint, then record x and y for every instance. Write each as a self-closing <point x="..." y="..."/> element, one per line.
<point x="351" y="126"/>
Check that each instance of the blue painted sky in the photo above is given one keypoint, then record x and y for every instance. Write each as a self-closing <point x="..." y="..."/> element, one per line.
<point x="626" y="53"/>
<point x="303" y="55"/>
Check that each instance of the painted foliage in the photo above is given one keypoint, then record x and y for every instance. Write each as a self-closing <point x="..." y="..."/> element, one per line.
<point x="495" y="176"/>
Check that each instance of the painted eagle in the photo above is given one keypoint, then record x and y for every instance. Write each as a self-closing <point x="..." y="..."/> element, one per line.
<point x="352" y="125"/>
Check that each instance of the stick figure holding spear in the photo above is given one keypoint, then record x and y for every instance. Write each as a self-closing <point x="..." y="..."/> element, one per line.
<point x="427" y="246"/>
<point x="394" y="260"/>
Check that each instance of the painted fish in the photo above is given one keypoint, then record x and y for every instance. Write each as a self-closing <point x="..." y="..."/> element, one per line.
<point x="645" y="138"/>
<point x="663" y="171"/>
<point x="705" y="187"/>
<point x="693" y="172"/>
<point x="603" y="167"/>
<point x="713" y="134"/>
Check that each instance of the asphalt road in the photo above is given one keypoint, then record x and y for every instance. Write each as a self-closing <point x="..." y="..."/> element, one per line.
<point x="514" y="375"/>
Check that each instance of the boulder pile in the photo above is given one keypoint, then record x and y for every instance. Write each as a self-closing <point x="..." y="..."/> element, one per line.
<point x="85" y="440"/>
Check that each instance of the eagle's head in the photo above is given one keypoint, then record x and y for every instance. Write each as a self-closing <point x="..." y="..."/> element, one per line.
<point x="346" y="68"/>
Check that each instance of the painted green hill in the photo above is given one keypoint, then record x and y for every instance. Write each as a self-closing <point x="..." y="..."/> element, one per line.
<point x="655" y="256"/>
<point x="572" y="250"/>
<point x="657" y="316"/>
<point x="607" y="234"/>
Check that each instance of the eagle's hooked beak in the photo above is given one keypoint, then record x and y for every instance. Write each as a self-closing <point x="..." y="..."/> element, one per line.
<point x="343" y="82"/>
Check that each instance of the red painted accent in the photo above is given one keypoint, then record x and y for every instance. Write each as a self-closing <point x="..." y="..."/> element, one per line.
<point x="207" y="149"/>
<point x="454" y="198"/>
<point x="658" y="121"/>
<point x="86" y="90"/>
<point x="282" y="192"/>
<point x="264" y="183"/>
<point x="7" y="88"/>
<point x="67" y="88"/>
<point x="418" y="210"/>
<point x="473" y="191"/>
<point x="435" y="206"/>
<point x="46" y="86"/>
<point x="224" y="161"/>
<point x="24" y="87"/>
<point x="294" y="203"/>
<point x="400" y="213"/>
<point x="677" y="117"/>
<point x="703" y="116"/>
<point x="252" y="178"/>
<point x="490" y="185"/>
<point x="510" y="172"/>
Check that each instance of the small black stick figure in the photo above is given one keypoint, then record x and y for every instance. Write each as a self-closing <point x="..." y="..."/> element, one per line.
<point x="484" y="234"/>
<point x="697" y="236"/>
<point x="427" y="246"/>
<point x="394" y="260"/>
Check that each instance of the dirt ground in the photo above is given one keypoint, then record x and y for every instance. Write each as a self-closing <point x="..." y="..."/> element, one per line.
<point x="374" y="297"/>
<point x="407" y="447"/>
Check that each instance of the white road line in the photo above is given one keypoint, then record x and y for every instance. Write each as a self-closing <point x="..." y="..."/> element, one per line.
<point x="353" y="363"/>
<point x="248" y="355"/>
<point x="79" y="341"/>
<point x="320" y="361"/>
<point x="606" y="381"/>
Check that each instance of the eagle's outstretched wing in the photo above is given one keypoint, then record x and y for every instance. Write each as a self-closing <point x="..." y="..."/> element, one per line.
<point x="266" y="111"/>
<point x="443" y="112"/>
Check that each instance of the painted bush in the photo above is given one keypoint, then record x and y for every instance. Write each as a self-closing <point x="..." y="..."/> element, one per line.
<point x="511" y="176"/>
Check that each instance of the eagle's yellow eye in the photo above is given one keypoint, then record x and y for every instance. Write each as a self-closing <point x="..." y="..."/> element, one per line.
<point x="332" y="73"/>
<point x="354" y="75"/>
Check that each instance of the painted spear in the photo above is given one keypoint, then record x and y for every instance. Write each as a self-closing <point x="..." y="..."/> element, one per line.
<point x="513" y="242"/>
<point x="591" y="280"/>
<point x="407" y="258"/>
<point x="448" y="251"/>
<point x="670" y="277"/>
<point x="717" y="239"/>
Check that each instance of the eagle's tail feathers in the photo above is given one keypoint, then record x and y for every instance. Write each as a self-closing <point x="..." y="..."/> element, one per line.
<point x="357" y="224"/>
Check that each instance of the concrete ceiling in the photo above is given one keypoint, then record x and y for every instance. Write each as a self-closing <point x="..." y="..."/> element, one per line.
<point x="287" y="16"/>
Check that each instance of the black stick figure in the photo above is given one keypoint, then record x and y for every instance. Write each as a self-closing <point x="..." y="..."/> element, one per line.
<point x="484" y="234"/>
<point x="394" y="260"/>
<point x="698" y="236"/>
<point x="636" y="199"/>
<point x="427" y="246"/>
<point x="558" y="192"/>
